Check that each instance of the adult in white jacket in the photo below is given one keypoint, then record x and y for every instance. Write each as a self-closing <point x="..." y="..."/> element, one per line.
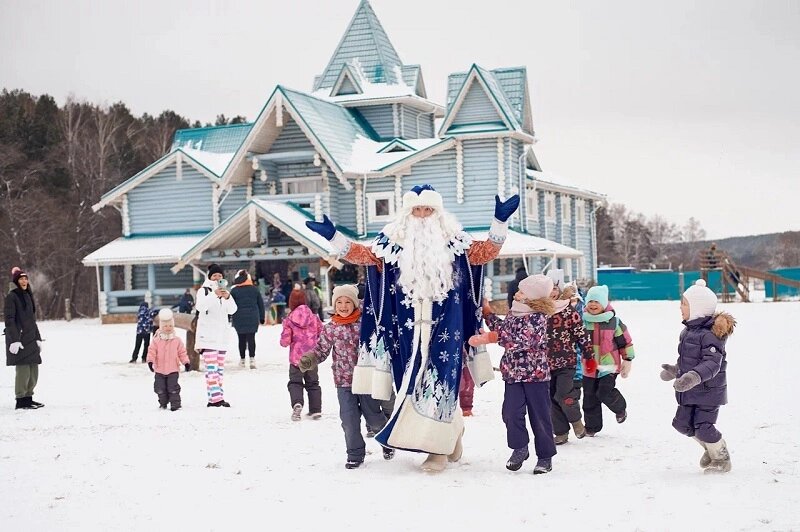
<point x="213" y="306"/>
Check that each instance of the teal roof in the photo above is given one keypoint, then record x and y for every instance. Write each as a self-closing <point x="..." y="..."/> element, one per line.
<point x="367" y="42"/>
<point x="334" y="127"/>
<point x="217" y="139"/>
<point x="506" y="87"/>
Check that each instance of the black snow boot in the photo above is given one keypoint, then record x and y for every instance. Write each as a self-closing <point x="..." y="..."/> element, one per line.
<point x="35" y="404"/>
<point x="353" y="464"/>
<point x="517" y="457"/>
<point x="388" y="453"/>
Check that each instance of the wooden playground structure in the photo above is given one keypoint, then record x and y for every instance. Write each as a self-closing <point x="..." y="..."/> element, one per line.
<point x="735" y="279"/>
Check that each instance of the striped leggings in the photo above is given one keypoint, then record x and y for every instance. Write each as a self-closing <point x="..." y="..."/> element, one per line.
<point x="215" y="364"/>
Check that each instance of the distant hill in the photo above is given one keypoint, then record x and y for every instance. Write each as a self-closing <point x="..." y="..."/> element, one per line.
<point x="765" y="252"/>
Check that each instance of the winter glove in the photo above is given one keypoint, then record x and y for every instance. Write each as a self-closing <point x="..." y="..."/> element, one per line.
<point x="504" y="210"/>
<point x="150" y="365"/>
<point x="15" y="347"/>
<point x="590" y="365"/>
<point x="625" y="368"/>
<point x="483" y="339"/>
<point x="687" y="381"/>
<point x="187" y="367"/>
<point x="668" y="372"/>
<point x="307" y="363"/>
<point x="325" y="228"/>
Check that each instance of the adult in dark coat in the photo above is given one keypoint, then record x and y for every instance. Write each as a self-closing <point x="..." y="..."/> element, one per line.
<point x="23" y="341"/>
<point x="513" y="286"/>
<point x="249" y="314"/>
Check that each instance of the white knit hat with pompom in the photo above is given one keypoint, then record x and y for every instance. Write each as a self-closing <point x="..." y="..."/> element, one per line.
<point x="702" y="301"/>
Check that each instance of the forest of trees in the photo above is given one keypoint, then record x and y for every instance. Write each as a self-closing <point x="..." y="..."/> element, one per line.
<point x="56" y="162"/>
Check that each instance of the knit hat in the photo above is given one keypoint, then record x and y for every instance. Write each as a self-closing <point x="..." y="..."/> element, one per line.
<point x="241" y="276"/>
<point x="165" y="316"/>
<point x="346" y="290"/>
<point x="536" y="286"/>
<point x="214" y="268"/>
<point x="422" y="196"/>
<point x="702" y="300"/>
<point x="297" y="297"/>
<point x="16" y="273"/>
<point x="598" y="293"/>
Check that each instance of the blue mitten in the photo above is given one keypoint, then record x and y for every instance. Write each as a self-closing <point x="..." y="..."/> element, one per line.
<point x="325" y="228"/>
<point x="504" y="210"/>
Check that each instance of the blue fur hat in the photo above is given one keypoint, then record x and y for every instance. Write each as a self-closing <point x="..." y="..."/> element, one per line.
<point x="598" y="293"/>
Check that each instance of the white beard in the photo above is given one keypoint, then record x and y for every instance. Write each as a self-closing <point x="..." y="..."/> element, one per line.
<point x="426" y="263"/>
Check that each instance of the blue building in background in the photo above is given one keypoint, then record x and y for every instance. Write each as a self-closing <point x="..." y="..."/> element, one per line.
<point x="364" y="134"/>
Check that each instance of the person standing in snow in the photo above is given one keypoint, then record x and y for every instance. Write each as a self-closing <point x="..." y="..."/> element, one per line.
<point x="23" y="340"/>
<point x="249" y="315"/>
<point x="700" y="374"/>
<point x="301" y="330"/>
<point x="611" y="355"/>
<point x="313" y="300"/>
<point x="144" y="328"/>
<point x="523" y="334"/>
<point x="214" y="305"/>
<point x="566" y="335"/>
<point x="340" y="336"/>
<point x="164" y="358"/>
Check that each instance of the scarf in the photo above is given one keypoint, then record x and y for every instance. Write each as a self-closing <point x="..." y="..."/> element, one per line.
<point x="347" y="320"/>
<point x="597" y="318"/>
<point x="544" y="305"/>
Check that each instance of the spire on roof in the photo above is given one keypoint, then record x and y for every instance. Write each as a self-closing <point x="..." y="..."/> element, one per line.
<point x="366" y="41"/>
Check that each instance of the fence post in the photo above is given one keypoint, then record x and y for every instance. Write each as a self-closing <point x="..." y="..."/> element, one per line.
<point x="67" y="310"/>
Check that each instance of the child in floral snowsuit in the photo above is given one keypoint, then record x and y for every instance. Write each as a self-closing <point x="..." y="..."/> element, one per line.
<point x="566" y="334"/>
<point x="611" y="355"/>
<point x="341" y="336"/>
<point x="523" y="334"/>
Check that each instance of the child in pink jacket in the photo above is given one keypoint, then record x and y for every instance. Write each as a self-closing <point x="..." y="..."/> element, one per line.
<point x="301" y="330"/>
<point x="165" y="356"/>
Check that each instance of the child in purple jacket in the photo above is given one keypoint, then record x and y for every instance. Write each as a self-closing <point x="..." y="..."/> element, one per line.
<point x="525" y="370"/>
<point x="340" y="336"/>
<point x="700" y="382"/>
<point x="301" y="330"/>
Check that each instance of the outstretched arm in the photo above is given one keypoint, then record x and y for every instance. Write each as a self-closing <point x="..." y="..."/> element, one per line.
<point x="484" y="251"/>
<point x="346" y="248"/>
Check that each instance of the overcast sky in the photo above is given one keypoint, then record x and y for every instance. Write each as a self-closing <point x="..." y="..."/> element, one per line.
<point x="677" y="107"/>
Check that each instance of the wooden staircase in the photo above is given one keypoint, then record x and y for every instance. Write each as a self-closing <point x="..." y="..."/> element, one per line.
<point x="736" y="279"/>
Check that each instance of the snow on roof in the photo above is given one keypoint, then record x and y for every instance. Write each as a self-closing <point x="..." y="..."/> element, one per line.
<point x="549" y="177"/>
<point x="518" y="244"/>
<point x="219" y="139"/>
<point x="366" y="156"/>
<point x="215" y="162"/>
<point x="142" y="250"/>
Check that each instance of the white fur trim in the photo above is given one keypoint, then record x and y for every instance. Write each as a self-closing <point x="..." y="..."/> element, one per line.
<point x="498" y="231"/>
<point x="381" y="385"/>
<point x="414" y="431"/>
<point x="362" y="379"/>
<point x="340" y="243"/>
<point x="426" y="198"/>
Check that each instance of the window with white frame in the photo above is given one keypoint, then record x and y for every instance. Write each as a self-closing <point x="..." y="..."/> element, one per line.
<point x="550" y="207"/>
<point x="566" y="210"/>
<point x="532" y="203"/>
<point x="380" y="206"/>
<point x="580" y="212"/>
<point x="302" y="185"/>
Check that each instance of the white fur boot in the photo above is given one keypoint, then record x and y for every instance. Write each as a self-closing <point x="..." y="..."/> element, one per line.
<point x="705" y="460"/>
<point x="435" y="463"/>
<point x="455" y="456"/>
<point x="720" y="457"/>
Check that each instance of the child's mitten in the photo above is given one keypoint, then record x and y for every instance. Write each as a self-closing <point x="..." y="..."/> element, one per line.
<point x="15" y="347"/>
<point x="307" y="363"/>
<point x="150" y="365"/>
<point x="687" y="381"/>
<point x="489" y="337"/>
<point x="668" y="372"/>
<point x="187" y="367"/>
<point x="625" y="368"/>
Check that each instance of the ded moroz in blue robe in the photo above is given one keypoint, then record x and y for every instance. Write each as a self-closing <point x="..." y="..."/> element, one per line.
<point x="418" y="345"/>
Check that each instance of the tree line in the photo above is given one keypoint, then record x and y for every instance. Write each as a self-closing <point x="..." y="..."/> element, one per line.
<point x="55" y="163"/>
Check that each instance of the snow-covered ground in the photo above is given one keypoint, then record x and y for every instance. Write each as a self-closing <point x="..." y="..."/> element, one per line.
<point x="102" y="456"/>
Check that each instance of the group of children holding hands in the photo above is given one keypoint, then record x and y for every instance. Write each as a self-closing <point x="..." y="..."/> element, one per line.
<point x="549" y="344"/>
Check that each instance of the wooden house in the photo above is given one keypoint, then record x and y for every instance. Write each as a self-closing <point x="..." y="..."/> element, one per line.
<point x="366" y="133"/>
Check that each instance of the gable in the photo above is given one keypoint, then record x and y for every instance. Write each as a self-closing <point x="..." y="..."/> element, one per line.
<point x="347" y="87"/>
<point x="477" y="109"/>
<point x="290" y="138"/>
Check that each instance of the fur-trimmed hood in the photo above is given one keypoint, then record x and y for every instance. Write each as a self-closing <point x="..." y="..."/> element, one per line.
<point x="723" y="326"/>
